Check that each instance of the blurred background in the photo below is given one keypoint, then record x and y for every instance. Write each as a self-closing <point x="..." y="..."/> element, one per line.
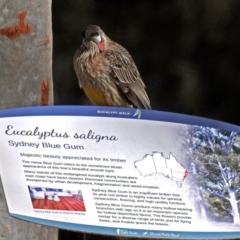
<point x="187" y="52"/>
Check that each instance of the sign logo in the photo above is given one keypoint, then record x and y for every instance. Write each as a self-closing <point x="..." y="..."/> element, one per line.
<point x="122" y="231"/>
<point x="138" y="113"/>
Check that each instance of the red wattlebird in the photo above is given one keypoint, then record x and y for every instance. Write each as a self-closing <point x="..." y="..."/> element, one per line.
<point x="107" y="72"/>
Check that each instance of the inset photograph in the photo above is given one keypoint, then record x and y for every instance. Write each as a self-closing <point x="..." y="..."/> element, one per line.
<point x="56" y="199"/>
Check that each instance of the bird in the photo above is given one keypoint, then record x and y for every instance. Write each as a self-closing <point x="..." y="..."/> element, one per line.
<point x="107" y="73"/>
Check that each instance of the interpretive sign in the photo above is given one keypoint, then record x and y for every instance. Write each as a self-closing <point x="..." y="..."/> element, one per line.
<point x="121" y="171"/>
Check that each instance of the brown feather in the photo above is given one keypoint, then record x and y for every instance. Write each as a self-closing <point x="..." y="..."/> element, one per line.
<point x="126" y="73"/>
<point x="108" y="74"/>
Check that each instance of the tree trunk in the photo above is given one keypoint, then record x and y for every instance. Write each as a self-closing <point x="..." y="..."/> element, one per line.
<point x="26" y="80"/>
<point x="234" y="207"/>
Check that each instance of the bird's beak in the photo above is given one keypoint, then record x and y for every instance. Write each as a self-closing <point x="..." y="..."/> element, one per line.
<point x="87" y="39"/>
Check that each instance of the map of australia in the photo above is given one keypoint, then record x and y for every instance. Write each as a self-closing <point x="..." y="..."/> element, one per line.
<point x="157" y="163"/>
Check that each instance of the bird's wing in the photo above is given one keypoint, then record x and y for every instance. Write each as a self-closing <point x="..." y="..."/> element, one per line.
<point x="76" y="64"/>
<point x="128" y="78"/>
